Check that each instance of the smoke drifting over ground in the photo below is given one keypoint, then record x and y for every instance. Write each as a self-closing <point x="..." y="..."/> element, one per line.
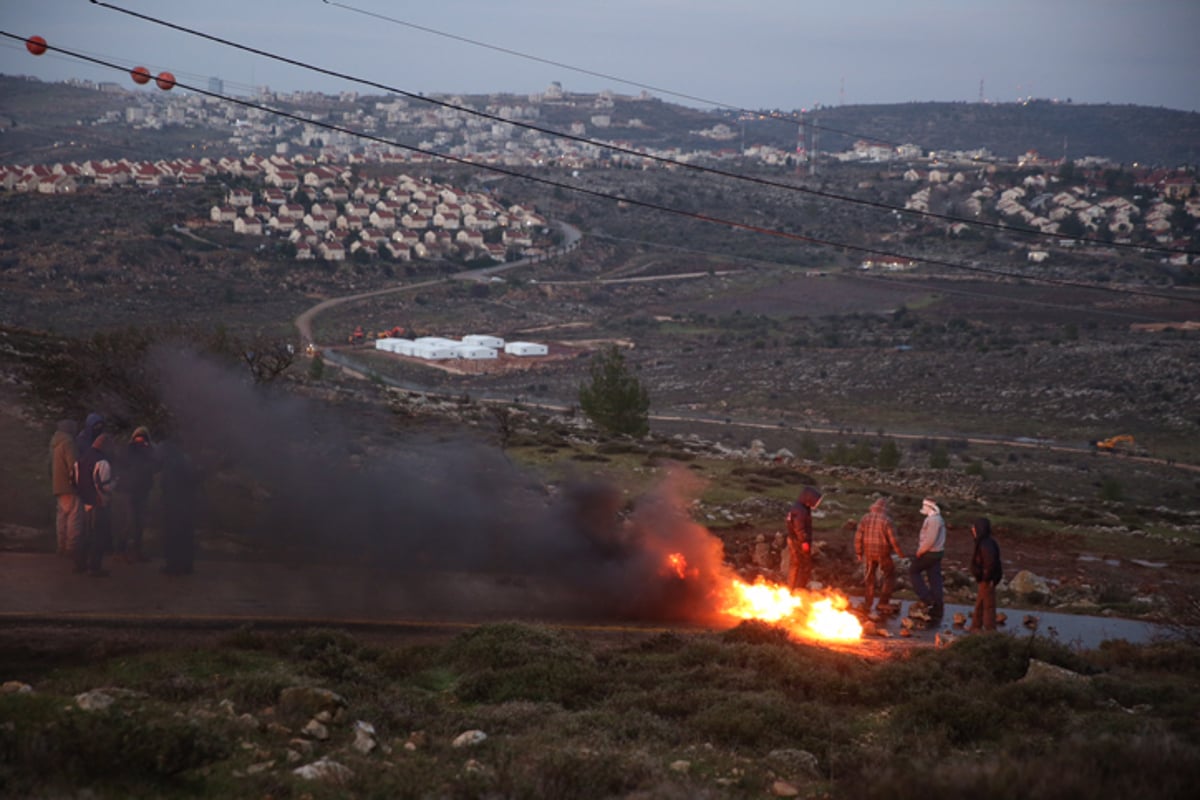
<point x="433" y="511"/>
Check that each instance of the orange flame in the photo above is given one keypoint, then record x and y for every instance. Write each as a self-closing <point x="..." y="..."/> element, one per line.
<point x="803" y="613"/>
<point x="821" y="616"/>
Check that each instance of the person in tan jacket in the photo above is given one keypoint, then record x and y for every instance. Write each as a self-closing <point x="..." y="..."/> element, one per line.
<point x="68" y="513"/>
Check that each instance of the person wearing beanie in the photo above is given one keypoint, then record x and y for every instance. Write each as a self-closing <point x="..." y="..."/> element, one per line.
<point x="926" y="568"/>
<point x="95" y="483"/>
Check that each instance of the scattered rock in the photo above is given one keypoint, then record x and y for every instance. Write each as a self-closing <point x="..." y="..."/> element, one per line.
<point x="784" y="789"/>
<point x="960" y="619"/>
<point x="263" y="766"/>
<point x="681" y="766"/>
<point x="1001" y="617"/>
<point x="15" y="687"/>
<point x="364" y="737"/>
<point x="1044" y="671"/>
<point x="1030" y="622"/>
<point x="325" y="770"/>
<point x="95" y="700"/>
<point x="469" y="738"/>
<point x="304" y="747"/>
<point x="797" y="761"/>
<point x="316" y="730"/>
<point x="905" y="633"/>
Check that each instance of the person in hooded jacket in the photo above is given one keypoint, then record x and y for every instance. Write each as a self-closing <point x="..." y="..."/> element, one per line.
<point x="985" y="566"/>
<point x="68" y="512"/>
<point x="136" y="472"/>
<point x="95" y="482"/>
<point x="93" y="426"/>
<point x="800" y="537"/>
<point x="927" y="563"/>
<point x="874" y="542"/>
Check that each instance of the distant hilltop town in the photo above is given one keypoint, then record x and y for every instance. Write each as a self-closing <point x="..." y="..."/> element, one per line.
<point x="312" y="189"/>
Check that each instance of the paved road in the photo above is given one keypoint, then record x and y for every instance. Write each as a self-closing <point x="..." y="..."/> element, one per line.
<point x="41" y="589"/>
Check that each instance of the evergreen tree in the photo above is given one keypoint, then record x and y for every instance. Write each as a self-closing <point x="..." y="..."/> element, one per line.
<point x="316" y="369"/>
<point x="615" y="399"/>
<point x="889" y="456"/>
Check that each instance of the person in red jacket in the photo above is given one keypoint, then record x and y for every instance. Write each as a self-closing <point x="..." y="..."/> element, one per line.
<point x="800" y="537"/>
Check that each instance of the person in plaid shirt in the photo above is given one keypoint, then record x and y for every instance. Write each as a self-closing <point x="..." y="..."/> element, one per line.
<point x="874" y="541"/>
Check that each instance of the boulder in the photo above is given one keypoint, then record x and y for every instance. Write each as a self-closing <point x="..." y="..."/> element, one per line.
<point x="796" y="761"/>
<point x="1025" y="583"/>
<point x="469" y="738"/>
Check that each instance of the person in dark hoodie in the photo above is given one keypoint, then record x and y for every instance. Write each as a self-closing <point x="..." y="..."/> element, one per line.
<point x="800" y="537"/>
<point x="95" y="482"/>
<point x="93" y="426"/>
<point x="985" y="566"/>
<point x="136" y="479"/>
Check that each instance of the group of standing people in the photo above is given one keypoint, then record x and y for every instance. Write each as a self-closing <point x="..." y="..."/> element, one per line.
<point x="874" y="543"/>
<point x="91" y="475"/>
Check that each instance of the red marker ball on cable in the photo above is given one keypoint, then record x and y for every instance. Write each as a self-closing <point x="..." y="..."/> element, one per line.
<point x="165" y="81"/>
<point x="35" y="45"/>
<point x="140" y="75"/>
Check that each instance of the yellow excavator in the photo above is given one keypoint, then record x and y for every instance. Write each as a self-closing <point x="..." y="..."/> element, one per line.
<point x="1122" y="443"/>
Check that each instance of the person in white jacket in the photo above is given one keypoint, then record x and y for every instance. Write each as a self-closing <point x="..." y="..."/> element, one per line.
<point x="925" y="571"/>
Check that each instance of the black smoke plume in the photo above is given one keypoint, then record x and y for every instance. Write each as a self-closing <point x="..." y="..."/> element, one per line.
<point x="450" y="517"/>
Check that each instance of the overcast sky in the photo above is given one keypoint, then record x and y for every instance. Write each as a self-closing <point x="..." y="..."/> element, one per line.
<point x="784" y="54"/>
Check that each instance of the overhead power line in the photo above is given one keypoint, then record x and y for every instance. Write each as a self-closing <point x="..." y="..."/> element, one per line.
<point x="612" y="146"/>
<point x="1124" y="290"/>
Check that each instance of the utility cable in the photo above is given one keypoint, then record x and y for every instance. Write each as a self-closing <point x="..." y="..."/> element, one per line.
<point x="612" y="146"/>
<point x="620" y="198"/>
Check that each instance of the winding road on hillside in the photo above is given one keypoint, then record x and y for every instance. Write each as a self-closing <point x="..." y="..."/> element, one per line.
<point x="304" y="322"/>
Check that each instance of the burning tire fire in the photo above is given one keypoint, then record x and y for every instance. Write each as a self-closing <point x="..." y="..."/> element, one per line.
<point x="817" y="616"/>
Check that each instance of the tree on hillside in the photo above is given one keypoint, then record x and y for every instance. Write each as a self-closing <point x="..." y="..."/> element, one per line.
<point x="615" y="399"/>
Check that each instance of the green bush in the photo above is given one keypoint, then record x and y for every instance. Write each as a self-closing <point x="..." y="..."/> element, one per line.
<point x="115" y="743"/>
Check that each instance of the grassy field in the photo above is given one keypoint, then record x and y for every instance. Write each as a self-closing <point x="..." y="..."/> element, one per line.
<point x="745" y="713"/>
